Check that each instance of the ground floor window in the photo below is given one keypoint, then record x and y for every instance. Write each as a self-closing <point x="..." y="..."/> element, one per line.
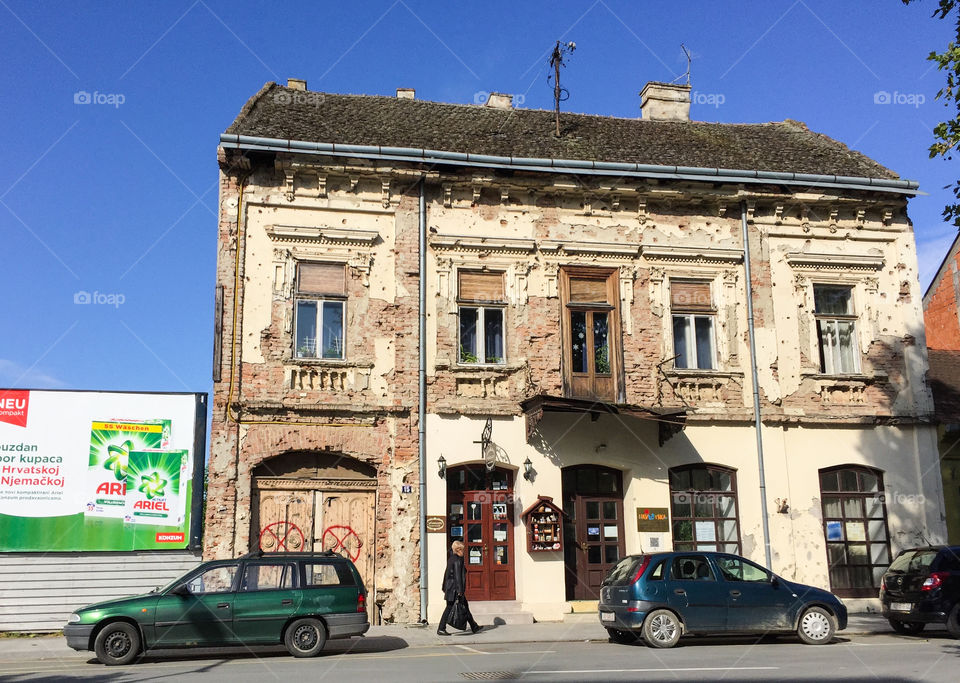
<point x="855" y="529"/>
<point x="704" y="508"/>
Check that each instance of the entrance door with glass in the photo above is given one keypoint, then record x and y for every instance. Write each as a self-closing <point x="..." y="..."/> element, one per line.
<point x="593" y="527"/>
<point x="483" y="520"/>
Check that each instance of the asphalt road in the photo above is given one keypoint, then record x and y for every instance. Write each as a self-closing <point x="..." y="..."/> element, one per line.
<point x="934" y="657"/>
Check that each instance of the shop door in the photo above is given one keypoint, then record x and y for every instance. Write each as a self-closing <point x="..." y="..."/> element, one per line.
<point x="593" y="528"/>
<point x="286" y="520"/>
<point x="488" y="540"/>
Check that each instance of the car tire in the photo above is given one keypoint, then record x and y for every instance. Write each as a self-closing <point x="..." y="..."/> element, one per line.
<point x="622" y="637"/>
<point x="305" y="638"/>
<point x="662" y="628"/>
<point x="907" y="628"/>
<point x="117" y="643"/>
<point x="816" y="626"/>
<point x="953" y="621"/>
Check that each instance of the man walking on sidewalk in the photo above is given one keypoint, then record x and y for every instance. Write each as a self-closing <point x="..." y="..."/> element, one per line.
<point x="454" y="586"/>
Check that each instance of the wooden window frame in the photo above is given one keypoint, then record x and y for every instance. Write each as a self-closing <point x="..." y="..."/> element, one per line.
<point x="611" y="306"/>
<point x="691" y="546"/>
<point x="855" y="591"/>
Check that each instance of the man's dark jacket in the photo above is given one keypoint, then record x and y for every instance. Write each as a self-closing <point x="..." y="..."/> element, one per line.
<point x="455" y="578"/>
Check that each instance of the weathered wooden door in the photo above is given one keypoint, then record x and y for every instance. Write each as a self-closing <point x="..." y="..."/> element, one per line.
<point x="345" y="523"/>
<point x="285" y="519"/>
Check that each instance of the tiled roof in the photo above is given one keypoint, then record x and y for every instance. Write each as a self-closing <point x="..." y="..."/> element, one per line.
<point x="944" y="378"/>
<point x="789" y="146"/>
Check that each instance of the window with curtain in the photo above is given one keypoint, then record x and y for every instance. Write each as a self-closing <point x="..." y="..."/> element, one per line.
<point x="836" y="329"/>
<point x="693" y="314"/>
<point x="481" y="311"/>
<point x="321" y="300"/>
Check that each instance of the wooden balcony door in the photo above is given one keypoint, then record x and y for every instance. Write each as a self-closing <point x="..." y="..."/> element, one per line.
<point x="591" y="328"/>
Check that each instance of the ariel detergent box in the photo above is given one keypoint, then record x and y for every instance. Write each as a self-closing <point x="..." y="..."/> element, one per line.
<point x="155" y="486"/>
<point x="111" y="443"/>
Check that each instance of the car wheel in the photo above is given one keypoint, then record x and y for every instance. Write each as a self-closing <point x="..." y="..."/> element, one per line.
<point x="907" y="628"/>
<point x="661" y="628"/>
<point x="953" y="621"/>
<point x="305" y="638"/>
<point x="117" y="643"/>
<point x="622" y="637"/>
<point x="817" y="626"/>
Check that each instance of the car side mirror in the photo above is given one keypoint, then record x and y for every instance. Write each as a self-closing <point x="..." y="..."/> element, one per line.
<point x="180" y="590"/>
<point x="774" y="581"/>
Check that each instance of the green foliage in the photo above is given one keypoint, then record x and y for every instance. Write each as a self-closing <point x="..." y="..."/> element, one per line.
<point x="947" y="133"/>
<point x="466" y="356"/>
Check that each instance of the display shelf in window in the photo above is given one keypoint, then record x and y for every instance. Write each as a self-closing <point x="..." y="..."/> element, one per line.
<point x="544" y="522"/>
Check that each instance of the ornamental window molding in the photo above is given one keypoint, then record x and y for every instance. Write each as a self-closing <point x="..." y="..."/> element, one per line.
<point x="837" y="262"/>
<point x="691" y="255"/>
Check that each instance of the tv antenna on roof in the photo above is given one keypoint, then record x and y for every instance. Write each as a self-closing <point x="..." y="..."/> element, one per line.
<point x="560" y="52"/>
<point x="687" y="75"/>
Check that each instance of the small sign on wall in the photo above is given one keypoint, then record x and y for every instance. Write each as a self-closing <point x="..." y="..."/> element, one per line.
<point x="436" y="524"/>
<point x="653" y="519"/>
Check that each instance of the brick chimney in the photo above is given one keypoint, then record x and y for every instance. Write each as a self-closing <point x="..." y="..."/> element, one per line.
<point x="497" y="100"/>
<point x="296" y="84"/>
<point x="665" y="102"/>
<point x="406" y="94"/>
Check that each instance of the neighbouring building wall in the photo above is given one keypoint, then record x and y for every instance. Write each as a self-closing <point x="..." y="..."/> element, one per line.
<point x="941" y="304"/>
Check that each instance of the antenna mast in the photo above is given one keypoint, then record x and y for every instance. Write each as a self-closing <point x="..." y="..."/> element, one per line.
<point x="556" y="61"/>
<point x="687" y="75"/>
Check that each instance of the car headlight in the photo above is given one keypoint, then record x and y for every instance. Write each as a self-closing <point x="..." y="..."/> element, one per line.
<point x="74" y="618"/>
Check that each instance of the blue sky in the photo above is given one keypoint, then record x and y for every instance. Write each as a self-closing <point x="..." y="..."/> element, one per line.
<point x="118" y="197"/>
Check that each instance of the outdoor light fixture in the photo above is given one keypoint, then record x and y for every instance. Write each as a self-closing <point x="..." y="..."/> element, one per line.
<point x="442" y="465"/>
<point x="528" y="469"/>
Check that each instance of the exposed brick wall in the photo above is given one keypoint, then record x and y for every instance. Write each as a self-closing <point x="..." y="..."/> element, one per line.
<point x="941" y="314"/>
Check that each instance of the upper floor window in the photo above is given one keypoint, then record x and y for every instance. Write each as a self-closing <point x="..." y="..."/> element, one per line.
<point x="591" y="332"/>
<point x="693" y="325"/>
<point x="320" y="308"/>
<point x="482" y="304"/>
<point x="836" y="329"/>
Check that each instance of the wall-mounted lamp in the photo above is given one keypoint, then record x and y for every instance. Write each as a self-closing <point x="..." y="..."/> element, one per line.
<point x="528" y="469"/>
<point x="442" y="467"/>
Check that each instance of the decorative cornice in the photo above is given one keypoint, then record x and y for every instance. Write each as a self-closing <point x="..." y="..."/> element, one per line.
<point x="691" y="254"/>
<point x="590" y="248"/>
<point x="489" y="244"/>
<point x="343" y="236"/>
<point x="834" y="261"/>
<point x="325" y="484"/>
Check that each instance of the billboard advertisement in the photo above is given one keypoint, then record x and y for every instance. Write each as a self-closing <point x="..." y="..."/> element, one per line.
<point x="109" y="471"/>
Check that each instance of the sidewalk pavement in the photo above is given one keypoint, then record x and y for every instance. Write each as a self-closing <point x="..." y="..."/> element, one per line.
<point x="578" y="627"/>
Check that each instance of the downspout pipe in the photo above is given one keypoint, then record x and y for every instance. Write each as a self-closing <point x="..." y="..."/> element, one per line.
<point x="756" y="387"/>
<point x="422" y="400"/>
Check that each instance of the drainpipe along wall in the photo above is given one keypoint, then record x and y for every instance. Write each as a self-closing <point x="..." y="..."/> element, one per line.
<point x="756" y="386"/>
<point x="422" y="402"/>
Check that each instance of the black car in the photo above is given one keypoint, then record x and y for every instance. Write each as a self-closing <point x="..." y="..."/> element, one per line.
<point x="922" y="587"/>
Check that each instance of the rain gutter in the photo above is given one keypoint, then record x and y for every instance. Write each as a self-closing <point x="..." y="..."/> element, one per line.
<point x="576" y="166"/>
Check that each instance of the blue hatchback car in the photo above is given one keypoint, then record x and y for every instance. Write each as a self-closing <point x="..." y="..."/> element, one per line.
<point x="663" y="596"/>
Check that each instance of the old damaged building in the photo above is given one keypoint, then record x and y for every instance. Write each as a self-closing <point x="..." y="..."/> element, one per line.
<point x="588" y="353"/>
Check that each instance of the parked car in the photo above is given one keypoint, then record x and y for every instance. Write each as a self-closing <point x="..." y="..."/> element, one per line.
<point x="922" y="586"/>
<point x="663" y="596"/>
<point x="298" y="599"/>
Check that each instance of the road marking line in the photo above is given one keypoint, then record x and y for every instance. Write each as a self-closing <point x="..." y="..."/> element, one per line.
<point x="628" y="671"/>
<point x="470" y="649"/>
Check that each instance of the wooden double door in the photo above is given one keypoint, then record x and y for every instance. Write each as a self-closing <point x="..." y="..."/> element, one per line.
<point x="483" y="521"/>
<point x="593" y="528"/>
<point x="306" y="519"/>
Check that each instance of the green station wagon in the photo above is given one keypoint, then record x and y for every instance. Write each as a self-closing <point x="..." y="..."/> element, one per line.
<point x="298" y="599"/>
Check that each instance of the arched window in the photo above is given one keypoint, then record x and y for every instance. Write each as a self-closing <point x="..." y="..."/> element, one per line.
<point x="703" y="505"/>
<point x="855" y="528"/>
